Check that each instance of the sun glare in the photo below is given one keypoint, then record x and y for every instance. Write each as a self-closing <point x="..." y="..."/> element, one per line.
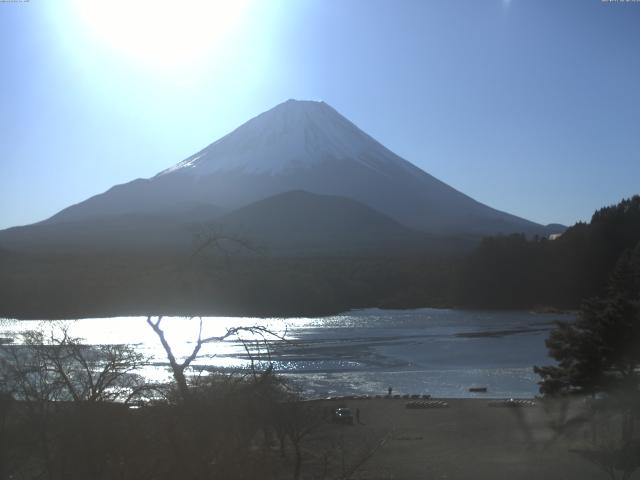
<point x="162" y="33"/>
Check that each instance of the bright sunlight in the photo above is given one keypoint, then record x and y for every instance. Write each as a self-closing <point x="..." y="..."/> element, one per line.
<point x="163" y="34"/>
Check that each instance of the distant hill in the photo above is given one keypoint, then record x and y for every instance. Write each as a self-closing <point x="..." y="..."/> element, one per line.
<point x="299" y="222"/>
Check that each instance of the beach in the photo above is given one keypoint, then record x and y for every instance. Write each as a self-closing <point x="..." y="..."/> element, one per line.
<point x="466" y="439"/>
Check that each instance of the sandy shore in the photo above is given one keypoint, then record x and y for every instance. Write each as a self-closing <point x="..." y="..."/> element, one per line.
<point x="466" y="440"/>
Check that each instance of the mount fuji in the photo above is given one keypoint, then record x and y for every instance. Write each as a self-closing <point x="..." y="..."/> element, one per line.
<point x="296" y="146"/>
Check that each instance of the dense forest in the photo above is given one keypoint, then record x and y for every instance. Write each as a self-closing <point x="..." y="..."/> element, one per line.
<point x="76" y="286"/>
<point x="506" y="272"/>
<point x="516" y="272"/>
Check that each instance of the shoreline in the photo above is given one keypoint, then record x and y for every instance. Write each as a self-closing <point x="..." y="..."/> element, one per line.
<point x="402" y="398"/>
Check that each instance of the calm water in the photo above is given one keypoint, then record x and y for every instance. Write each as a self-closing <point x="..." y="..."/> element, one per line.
<point x="441" y="352"/>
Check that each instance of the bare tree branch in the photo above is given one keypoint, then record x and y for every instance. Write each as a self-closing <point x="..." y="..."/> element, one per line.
<point x="178" y="368"/>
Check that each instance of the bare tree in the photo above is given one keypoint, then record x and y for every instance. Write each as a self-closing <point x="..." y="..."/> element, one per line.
<point x="209" y="239"/>
<point x="178" y="368"/>
<point x="66" y="392"/>
<point x="53" y="365"/>
<point x="296" y="420"/>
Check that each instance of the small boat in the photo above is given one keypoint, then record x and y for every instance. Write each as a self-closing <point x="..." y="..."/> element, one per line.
<point x="478" y="389"/>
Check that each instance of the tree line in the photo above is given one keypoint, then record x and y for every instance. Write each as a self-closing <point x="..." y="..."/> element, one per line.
<point x="597" y="361"/>
<point x="89" y="285"/>
<point x="505" y="272"/>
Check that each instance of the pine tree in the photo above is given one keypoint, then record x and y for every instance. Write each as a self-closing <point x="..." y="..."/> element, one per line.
<point x="600" y="351"/>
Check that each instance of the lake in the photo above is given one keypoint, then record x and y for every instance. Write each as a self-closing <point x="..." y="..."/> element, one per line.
<point x="436" y="351"/>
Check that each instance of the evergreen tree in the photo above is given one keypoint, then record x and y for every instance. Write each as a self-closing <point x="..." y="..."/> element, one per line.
<point x="600" y="351"/>
<point x="516" y="272"/>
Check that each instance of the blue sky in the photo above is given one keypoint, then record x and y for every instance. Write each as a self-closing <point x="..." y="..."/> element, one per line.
<point x="529" y="106"/>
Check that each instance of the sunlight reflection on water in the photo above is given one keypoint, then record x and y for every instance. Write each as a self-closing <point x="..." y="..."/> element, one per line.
<point x="441" y="352"/>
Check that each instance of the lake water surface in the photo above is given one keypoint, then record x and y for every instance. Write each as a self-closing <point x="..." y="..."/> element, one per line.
<point x="436" y="351"/>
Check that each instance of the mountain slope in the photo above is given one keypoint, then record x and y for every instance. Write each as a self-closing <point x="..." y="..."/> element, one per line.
<point x="117" y="232"/>
<point x="290" y="223"/>
<point x="302" y="145"/>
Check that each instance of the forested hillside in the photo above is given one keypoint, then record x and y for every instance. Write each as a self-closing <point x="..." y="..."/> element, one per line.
<point x="504" y="272"/>
<point x="515" y="272"/>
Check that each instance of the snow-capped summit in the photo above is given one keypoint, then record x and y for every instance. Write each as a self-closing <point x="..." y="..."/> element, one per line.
<point x="296" y="133"/>
<point x="309" y="146"/>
